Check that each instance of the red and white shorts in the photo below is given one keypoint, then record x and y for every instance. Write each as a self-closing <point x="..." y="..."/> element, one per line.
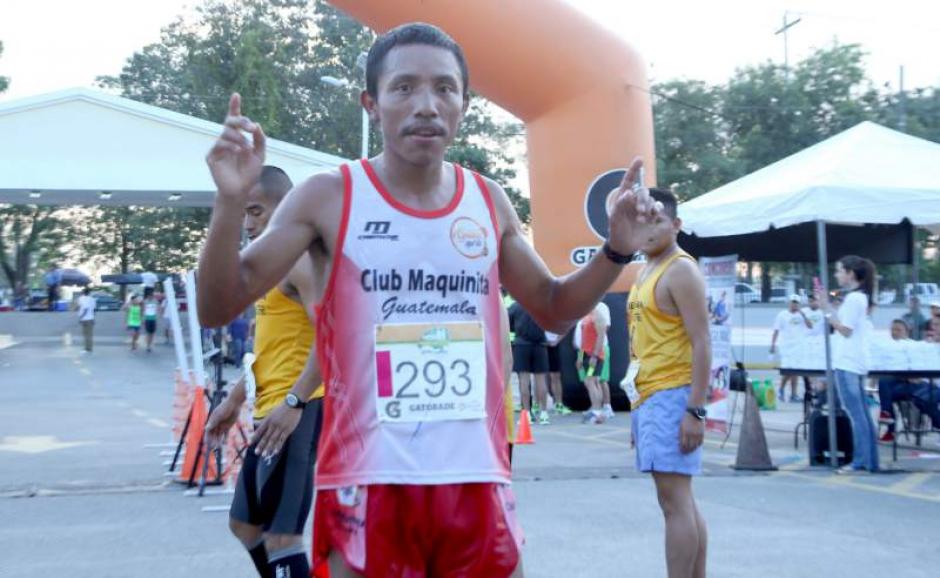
<point x="411" y="531"/>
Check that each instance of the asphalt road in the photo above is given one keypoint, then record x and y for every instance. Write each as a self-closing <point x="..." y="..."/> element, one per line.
<point x="82" y="495"/>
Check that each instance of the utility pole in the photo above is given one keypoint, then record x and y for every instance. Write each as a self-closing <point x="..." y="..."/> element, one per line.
<point x="787" y="25"/>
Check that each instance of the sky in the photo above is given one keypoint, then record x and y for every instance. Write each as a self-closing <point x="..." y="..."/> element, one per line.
<point x="57" y="44"/>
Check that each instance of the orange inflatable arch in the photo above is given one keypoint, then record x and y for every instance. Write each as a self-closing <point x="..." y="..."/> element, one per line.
<point x="580" y="90"/>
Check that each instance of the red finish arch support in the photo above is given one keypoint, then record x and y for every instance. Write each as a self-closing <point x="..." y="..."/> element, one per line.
<point x="580" y="90"/>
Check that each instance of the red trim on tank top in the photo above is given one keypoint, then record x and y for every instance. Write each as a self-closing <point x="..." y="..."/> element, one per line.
<point x="398" y="205"/>
<point x="488" y="198"/>
<point x="340" y="239"/>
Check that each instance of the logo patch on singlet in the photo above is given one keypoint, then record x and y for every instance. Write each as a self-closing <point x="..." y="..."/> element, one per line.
<point x="469" y="238"/>
<point x="374" y="230"/>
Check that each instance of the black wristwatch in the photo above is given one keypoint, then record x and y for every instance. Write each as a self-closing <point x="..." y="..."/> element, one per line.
<point x="293" y="401"/>
<point x="698" y="412"/>
<point x="614" y="256"/>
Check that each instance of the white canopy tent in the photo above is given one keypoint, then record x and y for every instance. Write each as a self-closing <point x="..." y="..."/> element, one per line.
<point x="85" y="147"/>
<point x="867" y="174"/>
<point x="862" y="191"/>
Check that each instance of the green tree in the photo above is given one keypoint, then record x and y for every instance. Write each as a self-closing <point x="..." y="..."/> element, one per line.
<point x="4" y="81"/>
<point x="692" y="144"/>
<point x="29" y="236"/>
<point x="275" y="55"/>
<point x="152" y="238"/>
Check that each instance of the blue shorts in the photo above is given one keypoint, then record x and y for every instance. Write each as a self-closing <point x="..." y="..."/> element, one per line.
<point x="655" y="427"/>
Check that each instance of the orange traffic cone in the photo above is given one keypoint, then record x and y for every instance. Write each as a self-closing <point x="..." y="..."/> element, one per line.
<point x="196" y="452"/>
<point x="524" y="429"/>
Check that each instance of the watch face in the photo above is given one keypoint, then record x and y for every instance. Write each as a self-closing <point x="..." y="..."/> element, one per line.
<point x="291" y="400"/>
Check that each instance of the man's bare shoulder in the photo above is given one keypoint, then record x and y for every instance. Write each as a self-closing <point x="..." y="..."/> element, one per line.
<point x="505" y="212"/>
<point x="681" y="273"/>
<point x="321" y="188"/>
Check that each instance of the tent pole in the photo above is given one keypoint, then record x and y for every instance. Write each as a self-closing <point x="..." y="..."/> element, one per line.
<point x="830" y="382"/>
<point x="915" y="276"/>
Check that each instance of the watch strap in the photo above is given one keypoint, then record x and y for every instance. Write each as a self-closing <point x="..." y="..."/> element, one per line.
<point x="618" y="258"/>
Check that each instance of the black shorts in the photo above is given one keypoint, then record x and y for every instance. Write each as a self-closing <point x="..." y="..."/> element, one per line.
<point x="598" y="367"/>
<point x="554" y="360"/>
<point x="529" y="358"/>
<point x="277" y="493"/>
<point x="150" y="326"/>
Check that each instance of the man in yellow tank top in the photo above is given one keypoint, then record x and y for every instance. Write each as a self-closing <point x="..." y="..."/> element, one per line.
<point x="670" y="360"/>
<point x="274" y="492"/>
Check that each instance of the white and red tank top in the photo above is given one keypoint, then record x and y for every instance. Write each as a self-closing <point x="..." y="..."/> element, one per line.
<point x="408" y="341"/>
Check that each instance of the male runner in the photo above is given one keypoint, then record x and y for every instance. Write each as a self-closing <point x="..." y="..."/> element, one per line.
<point x="275" y="488"/>
<point x="413" y="473"/>
<point x="670" y="366"/>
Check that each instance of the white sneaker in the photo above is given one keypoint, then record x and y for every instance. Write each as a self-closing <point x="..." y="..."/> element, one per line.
<point x="608" y="411"/>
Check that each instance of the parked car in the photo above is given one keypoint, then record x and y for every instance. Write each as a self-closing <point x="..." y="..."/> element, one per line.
<point x="926" y="292"/>
<point x="778" y="295"/>
<point x="887" y="297"/>
<point x="744" y="293"/>
<point x="38" y="300"/>
<point x="106" y="302"/>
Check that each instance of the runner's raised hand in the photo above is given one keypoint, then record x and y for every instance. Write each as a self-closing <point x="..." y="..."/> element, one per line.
<point x="632" y="212"/>
<point x="234" y="161"/>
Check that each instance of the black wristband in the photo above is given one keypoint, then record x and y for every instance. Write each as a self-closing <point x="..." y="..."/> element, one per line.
<point x="614" y="256"/>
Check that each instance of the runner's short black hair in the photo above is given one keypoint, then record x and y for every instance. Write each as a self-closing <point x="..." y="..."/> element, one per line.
<point x="668" y="199"/>
<point x="408" y="34"/>
<point x="274" y="182"/>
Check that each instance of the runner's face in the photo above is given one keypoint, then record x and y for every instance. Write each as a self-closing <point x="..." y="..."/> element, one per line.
<point x="420" y="102"/>
<point x="662" y="235"/>
<point x="258" y="211"/>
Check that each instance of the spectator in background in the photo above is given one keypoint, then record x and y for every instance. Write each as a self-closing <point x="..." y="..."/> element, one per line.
<point x="593" y="359"/>
<point x="792" y="325"/>
<point x="817" y="319"/>
<point x="815" y="316"/>
<point x="151" y="311"/>
<point x="86" y="316"/>
<point x="149" y="280"/>
<point x="134" y="309"/>
<point x="932" y="325"/>
<point x="915" y="320"/>
<point x="554" y="372"/>
<point x="891" y="390"/>
<point x="856" y="276"/>
<point x="530" y="361"/>
<point x="167" y="319"/>
<point x="238" y="337"/>
<point x="52" y="288"/>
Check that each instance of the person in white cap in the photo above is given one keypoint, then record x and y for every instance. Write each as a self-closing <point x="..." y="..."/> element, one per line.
<point x="792" y="324"/>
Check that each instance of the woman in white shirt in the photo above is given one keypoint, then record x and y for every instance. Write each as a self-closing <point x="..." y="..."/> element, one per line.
<point x="851" y="331"/>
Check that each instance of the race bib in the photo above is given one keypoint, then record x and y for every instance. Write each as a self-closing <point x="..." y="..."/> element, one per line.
<point x="430" y="372"/>
<point x="628" y="384"/>
<point x="251" y="386"/>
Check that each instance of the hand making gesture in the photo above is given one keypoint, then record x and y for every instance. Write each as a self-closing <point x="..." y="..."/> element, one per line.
<point x="234" y="161"/>
<point x="632" y="212"/>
